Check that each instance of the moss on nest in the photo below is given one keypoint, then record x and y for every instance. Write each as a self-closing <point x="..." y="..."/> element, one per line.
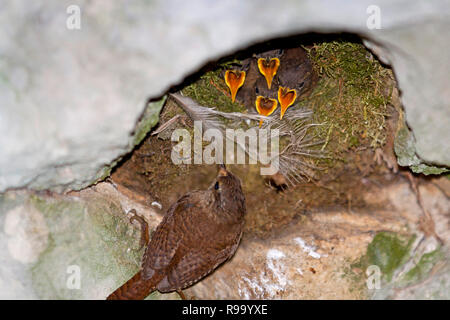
<point x="210" y="90"/>
<point x="351" y="97"/>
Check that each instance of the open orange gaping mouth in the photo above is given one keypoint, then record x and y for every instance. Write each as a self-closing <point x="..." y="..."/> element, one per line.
<point x="265" y="107"/>
<point x="268" y="68"/>
<point x="234" y="80"/>
<point x="286" y="97"/>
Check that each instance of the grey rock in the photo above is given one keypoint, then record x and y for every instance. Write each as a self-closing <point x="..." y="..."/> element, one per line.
<point x="70" y="99"/>
<point x="69" y="247"/>
<point x="64" y="248"/>
<point x="406" y="152"/>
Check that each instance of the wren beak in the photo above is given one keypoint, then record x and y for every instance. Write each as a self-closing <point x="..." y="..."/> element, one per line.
<point x="286" y="97"/>
<point x="265" y="107"/>
<point x="234" y="80"/>
<point x="222" y="170"/>
<point x="268" y="68"/>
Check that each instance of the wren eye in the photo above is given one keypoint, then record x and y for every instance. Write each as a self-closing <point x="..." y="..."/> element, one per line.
<point x="216" y="186"/>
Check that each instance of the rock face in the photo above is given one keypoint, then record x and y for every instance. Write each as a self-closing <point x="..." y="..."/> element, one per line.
<point x="75" y="78"/>
<point x="75" y="81"/>
<point x="82" y="246"/>
<point x="67" y="247"/>
<point x="332" y="254"/>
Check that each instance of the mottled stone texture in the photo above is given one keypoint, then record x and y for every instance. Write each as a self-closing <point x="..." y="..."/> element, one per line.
<point x="82" y="246"/>
<point x="70" y="99"/>
<point x="328" y="254"/>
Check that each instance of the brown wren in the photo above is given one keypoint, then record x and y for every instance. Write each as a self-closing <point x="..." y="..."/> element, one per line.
<point x="200" y="231"/>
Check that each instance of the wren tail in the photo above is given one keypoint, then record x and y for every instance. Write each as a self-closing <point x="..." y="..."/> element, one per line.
<point x="134" y="289"/>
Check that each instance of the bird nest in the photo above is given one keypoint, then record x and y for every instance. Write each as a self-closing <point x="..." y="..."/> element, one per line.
<point x="349" y="100"/>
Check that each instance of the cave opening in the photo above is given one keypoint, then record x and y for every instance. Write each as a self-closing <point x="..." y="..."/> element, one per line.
<point x="354" y="106"/>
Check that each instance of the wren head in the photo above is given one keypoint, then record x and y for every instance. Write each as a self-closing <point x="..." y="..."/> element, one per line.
<point x="276" y="53"/>
<point x="228" y="192"/>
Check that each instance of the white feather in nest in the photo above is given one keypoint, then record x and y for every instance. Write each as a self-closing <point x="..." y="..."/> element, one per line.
<point x="294" y="160"/>
<point x="211" y="118"/>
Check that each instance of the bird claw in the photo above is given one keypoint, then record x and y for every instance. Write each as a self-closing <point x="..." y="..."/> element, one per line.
<point x="144" y="227"/>
<point x="183" y="297"/>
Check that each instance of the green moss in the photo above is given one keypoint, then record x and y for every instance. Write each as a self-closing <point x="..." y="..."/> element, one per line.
<point x="211" y="91"/>
<point x="148" y="120"/>
<point x="388" y="251"/>
<point x="427" y="170"/>
<point x="351" y="97"/>
<point x="423" y="267"/>
<point x="94" y="236"/>
<point x="103" y="173"/>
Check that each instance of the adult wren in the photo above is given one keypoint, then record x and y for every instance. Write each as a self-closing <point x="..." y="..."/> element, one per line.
<point x="200" y="231"/>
